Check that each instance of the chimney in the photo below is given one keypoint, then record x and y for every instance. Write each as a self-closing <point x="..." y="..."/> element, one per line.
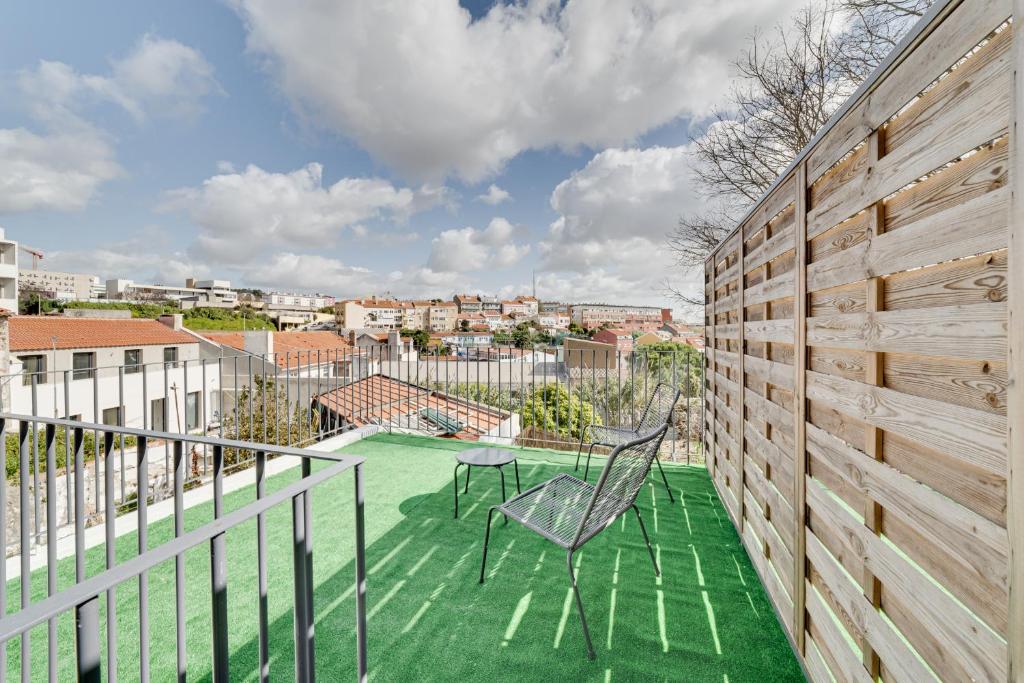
<point x="259" y="342"/>
<point x="394" y="339"/>
<point x="175" y="321"/>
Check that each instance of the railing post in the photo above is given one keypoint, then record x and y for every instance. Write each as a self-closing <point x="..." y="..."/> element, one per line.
<point x="219" y="576"/>
<point x="87" y="638"/>
<point x="360" y="577"/>
<point x="303" y="670"/>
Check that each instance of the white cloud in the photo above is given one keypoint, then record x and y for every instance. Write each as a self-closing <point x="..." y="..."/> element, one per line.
<point x="244" y="214"/>
<point x="62" y="166"/>
<point x="148" y="256"/>
<point x="431" y="92"/>
<point x="494" y="195"/>
<point x="60" y="171"/>
<point x="469" y="249"/>
<point x="614" y="216"/>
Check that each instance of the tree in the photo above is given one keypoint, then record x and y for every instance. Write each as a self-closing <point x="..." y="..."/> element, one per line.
<point x="552" y="408"/>
<point x="522" y="336"/>
<point x="790" y="82"/>
<point x="275" y="422"/>
<point x="464" y="325"/>
<point x="420" y="338"/>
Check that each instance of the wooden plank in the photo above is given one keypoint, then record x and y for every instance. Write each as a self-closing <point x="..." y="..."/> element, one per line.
<point x="975" y="227"/>
<point x="973" y="436"/>
<point x="978" y="115"/>
<point x="800" y="409"/>
<point x="972" y="647"/>
<point x="779" y="287"/>
<point x="973" y="332"/>
<point x="769" y="371"/>
<point x="981" y="279"/>
<point x="848" y="363"/>
<point x="815" y="664"/>
<point x="850" y="667"/>
<point x="896" y="653"/>
<point x="770" y="331"/>
<point x="977" y="384"/>
<point x="978" y="546"/>
<point x="950" y="39"/>
<point x="838" y="239"/>
<point x="771" y="249"/>
<point x="1015" y="363"/>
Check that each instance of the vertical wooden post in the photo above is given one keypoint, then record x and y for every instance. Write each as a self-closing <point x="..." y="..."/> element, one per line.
<point x="1015" y="360"/>
<point x="874" y="374"/>
<point x="741" y="317"/>
<point x="800" y="405"/>
<point x="766" y="355"/>
<point x="712" y="384"/>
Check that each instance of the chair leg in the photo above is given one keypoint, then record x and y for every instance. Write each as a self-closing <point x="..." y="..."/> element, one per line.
<point x="579" y="451"/>
<point x="664" y="479"/>
<point x="469" y="468"/>
<point x="586" y="471"/>
<point x="487" y="538"/>
<point x="456" y="477"/>
<point x="502" y="473"/>
<point x="579" y="606"/>
<point x="515" y="464"/>
<point x="643" y="529"/>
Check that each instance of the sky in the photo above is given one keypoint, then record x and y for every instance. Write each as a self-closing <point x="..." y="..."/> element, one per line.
<point x="352" y="148"/>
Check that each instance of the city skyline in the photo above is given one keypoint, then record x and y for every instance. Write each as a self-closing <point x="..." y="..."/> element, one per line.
<point x="198" y="140"/>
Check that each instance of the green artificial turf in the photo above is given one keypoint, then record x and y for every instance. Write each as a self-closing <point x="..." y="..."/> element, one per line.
<point x="706" y="619"/>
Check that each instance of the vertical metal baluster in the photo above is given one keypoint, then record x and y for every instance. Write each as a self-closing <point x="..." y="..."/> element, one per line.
<point x="263" y="397"/>
<point x="167" y="420"/>
<point x="67" y="442"/>
<point x="109" y="517"/>
<point x="219" y="577"/>
<point x="179" y="559"/>
<point x="122" y="420"/>
<point x="35" y="461"/>
<point x="234" y="387"/>
<point x="142" y="500"/>
<point x="25" y="579"/>
<point x="675" y="384"/>
<point x="261" y="564"/>
<point x="687" y="408"/>
<point x="51" y="545"/>
<point x="302" y="672"/>
<point x="277" y="401"/>
<point x="360" y="578"/>
<point x="632" y="390"/>
<point x="288" y="397"/>
<point x="307" y="507"/>
<point x="96" y="437"/>
<point x="87" y="631"/>
<point x="184" y="393"/>
<point x="203" y="396"/>
<point x="3" y="545"/>
<point x="249" y="387"/>
<point x="79" y="504"/>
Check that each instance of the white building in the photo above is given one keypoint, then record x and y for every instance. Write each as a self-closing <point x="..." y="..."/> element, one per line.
<point x="373" y="313"/>
<point x="59" y="285"/>
<point x="8" y="273"/>
<point x="211" y="293"/>
<point x="311" y="302"/>
<point x="135" y="372"/>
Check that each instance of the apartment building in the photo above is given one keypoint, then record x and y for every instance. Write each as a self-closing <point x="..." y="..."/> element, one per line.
<point x="621" y="339"/>
<point x="490" y="303"/>
<point x="468" y="303"/>
<point x="134" y="372"/>
<point x="630" y="318"/>
<point x="415" y="315"/>
<point x="442" y="316"/>
<point x="8" y="273"/>
<point x="373" y="313"/>
<point x="195" y="293"/>
<point x="553" y="320"/>
<point x="515" y="306"/>
<point x="531" y="304"/>
<point x="313" y="302"/>
<point x="54" y="284"/>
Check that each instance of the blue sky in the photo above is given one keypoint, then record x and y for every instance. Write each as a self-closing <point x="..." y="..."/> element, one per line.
<point x="351" y="147"/>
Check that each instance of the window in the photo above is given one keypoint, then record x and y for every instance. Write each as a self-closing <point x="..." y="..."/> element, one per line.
<point x="33" y="366"/>
<point x="156" y="415"/>
<point x="84" y="365"/>
<point x="171" y="356"/>
<point x="132" y="361"/>
<point x="112" y="416"/>
<point x="192" y="411"/>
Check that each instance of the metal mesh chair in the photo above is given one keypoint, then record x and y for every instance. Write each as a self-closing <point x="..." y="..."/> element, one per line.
<point x="569" y="512"/>
<point x="657" y="412"/>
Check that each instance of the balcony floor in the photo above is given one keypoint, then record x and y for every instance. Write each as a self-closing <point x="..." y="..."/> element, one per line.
<point x="706" y="619"/>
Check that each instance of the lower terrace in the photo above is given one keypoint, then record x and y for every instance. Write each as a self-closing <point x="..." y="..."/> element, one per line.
<point x="706" y="618"/>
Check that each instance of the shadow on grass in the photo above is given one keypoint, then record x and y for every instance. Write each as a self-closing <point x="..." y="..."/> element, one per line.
<point x="706" y="618"/>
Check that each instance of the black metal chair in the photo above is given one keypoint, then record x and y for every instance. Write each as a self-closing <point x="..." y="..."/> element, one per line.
<point x="657" y="412"/>
<point x="569" y="512"/>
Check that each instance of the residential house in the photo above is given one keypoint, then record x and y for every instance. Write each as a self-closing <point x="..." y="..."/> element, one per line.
<point x="464" y="340"/>
<point x="648" y="338"/>
<point x="490" y="303"/>
<point x="383" y="346"/>
<point x="621" y="339"/>
<point x="514" y="306"/>
<point x="134" y="372"/>
<point x="375" y="313"/>
<point x="531" y="303"/>
<point x="415" y="315"/>
<point x="468" y="303"/>
<point x="632" y="318"/>
<point x="442" y="316"/>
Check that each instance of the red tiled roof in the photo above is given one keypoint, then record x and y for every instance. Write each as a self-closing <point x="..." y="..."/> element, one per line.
<point x="39" y="333"/>
<point x="381" y="400"/>
<point x="296" y="349"/>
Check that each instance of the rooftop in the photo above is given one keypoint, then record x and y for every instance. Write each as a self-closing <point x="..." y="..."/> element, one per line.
<point x="43" y="333"/>
<point x="706" y="619"/>
<point x="288" y="346"/>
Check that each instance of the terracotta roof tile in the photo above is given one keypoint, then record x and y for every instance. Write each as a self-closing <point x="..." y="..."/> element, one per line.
<point x="295" y="348"/>
<point x="37" y="333"/>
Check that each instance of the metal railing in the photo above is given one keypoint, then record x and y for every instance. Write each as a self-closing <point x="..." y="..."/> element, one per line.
<point x="83" y="597"/>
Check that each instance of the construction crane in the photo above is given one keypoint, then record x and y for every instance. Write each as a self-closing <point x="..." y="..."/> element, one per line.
<point x="37" y="255"/>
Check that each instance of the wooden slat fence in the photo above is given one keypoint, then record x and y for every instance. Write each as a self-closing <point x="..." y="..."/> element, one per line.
<point x="860" y="364"/>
